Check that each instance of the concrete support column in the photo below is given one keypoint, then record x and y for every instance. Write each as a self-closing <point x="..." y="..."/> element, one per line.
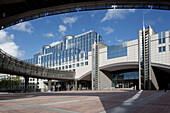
<point x="26" y="83"/>
<point x="49" y="84"/>
<point x="79" y="86"/>
<point x="54" y="88"/>
<point x="68" y="87"/>
<point x="76" y="85"/>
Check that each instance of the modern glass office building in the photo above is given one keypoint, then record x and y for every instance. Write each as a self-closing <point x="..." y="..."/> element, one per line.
<point x="66" y="52"/>
<point x="132" y="64"/>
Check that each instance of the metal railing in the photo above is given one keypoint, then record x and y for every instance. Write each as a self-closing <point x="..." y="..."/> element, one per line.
<point x="12" y="65"/>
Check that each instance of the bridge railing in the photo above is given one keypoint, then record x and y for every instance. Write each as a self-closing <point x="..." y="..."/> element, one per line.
<point x="12" y="65"/>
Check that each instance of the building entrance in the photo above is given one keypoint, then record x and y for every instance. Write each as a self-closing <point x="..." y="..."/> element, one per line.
<point x="126" y="80"/>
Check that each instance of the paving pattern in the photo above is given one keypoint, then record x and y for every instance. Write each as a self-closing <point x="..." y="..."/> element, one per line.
<point x="117" y="101"/>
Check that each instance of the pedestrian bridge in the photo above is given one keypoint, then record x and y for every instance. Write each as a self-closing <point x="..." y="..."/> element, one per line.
<point x="14" y="66"/>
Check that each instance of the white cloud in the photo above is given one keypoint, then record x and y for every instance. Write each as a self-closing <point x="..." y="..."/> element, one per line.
<point x="108" y="30"/>
<point x="119" y="40"/>
<point x="116" y="14"/>
<point x="83" y="29"/>
<point x="92" y="15"/>
<point x="7" y="44"/>
<point x="54" y="43"/>
<point x="25" y="27"/>
<point x="48" y="35"/>
<point x="109" y="41"/>
<point x="149" y="22"/>
<point x="62" y="29"/>
<point x="69" y="20"/>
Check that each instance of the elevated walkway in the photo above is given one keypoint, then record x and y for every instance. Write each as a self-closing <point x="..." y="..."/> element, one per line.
<point x="14" y="66"/>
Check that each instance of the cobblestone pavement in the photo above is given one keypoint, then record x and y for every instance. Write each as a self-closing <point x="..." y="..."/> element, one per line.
<point x="117" y="101"/>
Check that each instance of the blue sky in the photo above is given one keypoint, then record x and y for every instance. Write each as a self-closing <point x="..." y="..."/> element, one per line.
<point x="115" y="26"/>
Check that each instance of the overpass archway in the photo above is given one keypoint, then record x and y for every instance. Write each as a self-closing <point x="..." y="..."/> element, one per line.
<point x="17" y="11"/>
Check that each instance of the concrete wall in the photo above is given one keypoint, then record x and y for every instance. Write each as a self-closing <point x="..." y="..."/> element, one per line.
<point x="105" y="80"/>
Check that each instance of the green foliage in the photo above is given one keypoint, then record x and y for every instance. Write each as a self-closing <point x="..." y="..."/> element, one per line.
<point x="17" y="80"/>
<point x="8" y="82"/>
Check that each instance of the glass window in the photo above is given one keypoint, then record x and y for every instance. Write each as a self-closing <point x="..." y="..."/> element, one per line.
<point x="86" y="63"/>
<point x="82" y="64"/>
<point x="164" y="48"/>
<point x="66" y="67"/>
<point x="59" y="67"/>
<point x="69" y="66"/>
<point x="163" y="40"/>
<point x="169" y="47"/>
<point x="77" y="64"/>
<point x="86" y="57"/>
<point x="63" y="67"/>
<point x="117" y="50"/>
<point x="160" y="41"/>
<point x="160" y="49"/>
<point x="73" y="65"/>
<point x="82" y="54"/>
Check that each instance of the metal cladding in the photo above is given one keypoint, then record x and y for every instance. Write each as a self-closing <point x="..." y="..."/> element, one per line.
<point x="11" y="65"/>
<point x="17" y="11"/>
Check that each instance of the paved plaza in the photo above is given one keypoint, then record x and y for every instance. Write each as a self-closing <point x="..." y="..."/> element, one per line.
<point x="117" y="101"/>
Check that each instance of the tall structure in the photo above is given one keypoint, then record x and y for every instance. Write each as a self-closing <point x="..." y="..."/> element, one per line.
<point x="142" y="63"/>
<point x="145" y="57"/>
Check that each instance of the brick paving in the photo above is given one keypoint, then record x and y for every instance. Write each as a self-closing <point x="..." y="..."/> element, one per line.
<point x="85" y="102"/>
<point x="159" y="105"/>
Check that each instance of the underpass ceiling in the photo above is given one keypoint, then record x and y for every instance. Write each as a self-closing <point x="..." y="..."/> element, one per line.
<point x="16" y="11"/>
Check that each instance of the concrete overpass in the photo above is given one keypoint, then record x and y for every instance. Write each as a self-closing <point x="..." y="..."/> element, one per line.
<point x="17" y="11"/>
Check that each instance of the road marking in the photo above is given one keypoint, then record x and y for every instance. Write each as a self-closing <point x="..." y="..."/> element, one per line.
<point x="124" y="107"/>
<point x="131" y="100"/>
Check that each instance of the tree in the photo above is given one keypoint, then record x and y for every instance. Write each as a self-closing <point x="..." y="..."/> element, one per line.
<point x="17" y="80"/>
<point x="9" y="83"/>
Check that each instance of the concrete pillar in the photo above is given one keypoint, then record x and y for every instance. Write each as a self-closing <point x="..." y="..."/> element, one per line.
<point x="49" y="84"/>
<point x="68" y="87"/>
<point x="54" y="88"/>
<point x="79" y="86"/>
<point x="26" y="83"/>
<point x="75" y="85"/>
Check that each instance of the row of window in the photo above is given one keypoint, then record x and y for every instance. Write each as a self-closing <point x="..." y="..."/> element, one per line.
<point x="162" y="49"/>
<point x="60" y="62"/>
<point x="162" y="37"/>
<point x="73" y="66"/>
<point x="60" y="59"/>
<point x="162" y="40"/>
<point x="83" y="42"/>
